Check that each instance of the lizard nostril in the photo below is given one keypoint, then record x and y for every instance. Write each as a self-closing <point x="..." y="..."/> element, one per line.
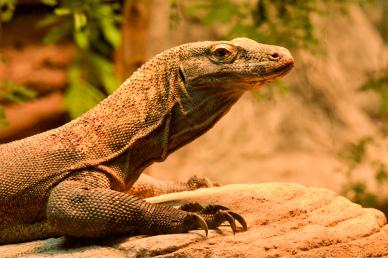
<point x="275" y="56"/>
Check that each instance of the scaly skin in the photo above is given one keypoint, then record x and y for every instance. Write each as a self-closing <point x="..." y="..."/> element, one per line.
<point x="76" y="180"/>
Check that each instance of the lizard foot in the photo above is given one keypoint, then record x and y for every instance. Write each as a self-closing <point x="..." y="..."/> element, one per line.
<point x="215" y="215"/>
<point x="196" y="182"/>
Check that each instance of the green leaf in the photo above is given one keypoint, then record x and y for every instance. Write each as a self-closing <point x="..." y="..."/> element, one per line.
<point x="81" y="39"/>
<point x="358" y="192"/>
<point x="356" y="152"/>
<point x="47" y="21"/>
<point x="80" y="96"/>
<point x="49" y="2"/>
<point x="281" y="86"/>
<point x="62" y="11"/>
<point x="379" y="85"/>
<point x="269" y="90"/>
<point x="3" y="118"/>
<point x="80" y="20"/>
<point x="56" y="34"/>
<point x="105" y="72"/>
<point x="174" y="17"/>
<point x="107" y="21"/>
<point x="13" y="92"/>
<point x="7" y="9"/>
<point x="382" y="174"/>
<point x="111" y="32"/>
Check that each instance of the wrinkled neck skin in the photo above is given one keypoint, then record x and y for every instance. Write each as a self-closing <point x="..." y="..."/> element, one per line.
<point x="193" y="109"/>
<point x="197" y="109"/>
<point x="180" y="112"/>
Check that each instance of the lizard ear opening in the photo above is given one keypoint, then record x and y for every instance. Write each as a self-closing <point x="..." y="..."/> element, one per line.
<point x="181" y="74"/>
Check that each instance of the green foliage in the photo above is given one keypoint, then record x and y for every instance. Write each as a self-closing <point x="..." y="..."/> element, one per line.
<point x="7" y="8"/>
<point x="358" y="192"/>
<point x="12" y="92"/>
<point x="269" y="91"/>
<point x="380" y="86"/>
<point x="286" y="22"/>
<point x="3" y="118"/>
<point x="174" y="17"/>
<point x="81" y="96"/>
<point x="93" y="26"/>
<point x="354" y="155"/>
<point x="381" y="173"/>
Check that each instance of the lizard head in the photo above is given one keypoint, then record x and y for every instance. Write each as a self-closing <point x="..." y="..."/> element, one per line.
<point x="241" y="64"/>
<point x="213" y="75"/>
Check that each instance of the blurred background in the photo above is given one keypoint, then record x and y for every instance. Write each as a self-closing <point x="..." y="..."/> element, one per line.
<point x="325" y="124"/>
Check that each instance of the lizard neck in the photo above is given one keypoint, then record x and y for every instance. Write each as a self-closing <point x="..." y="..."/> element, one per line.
<point x="194" y="116"/>
<point x="127" y="122"/>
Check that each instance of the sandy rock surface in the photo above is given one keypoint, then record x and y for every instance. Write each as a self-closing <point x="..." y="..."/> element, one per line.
<point x="283" y="220"/>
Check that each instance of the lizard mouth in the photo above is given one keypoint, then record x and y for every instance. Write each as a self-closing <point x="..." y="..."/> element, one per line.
<point x="279" y="71"/>
<point x="254" y="82"/>
<point x="241" y="81"/>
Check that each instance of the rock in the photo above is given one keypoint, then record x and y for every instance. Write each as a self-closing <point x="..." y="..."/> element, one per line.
<point x="283" y="220"/>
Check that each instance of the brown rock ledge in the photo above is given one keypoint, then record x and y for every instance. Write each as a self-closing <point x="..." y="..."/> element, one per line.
<point x="283" y="220"/>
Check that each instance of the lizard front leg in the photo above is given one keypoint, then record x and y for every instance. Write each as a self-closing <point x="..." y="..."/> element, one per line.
<point x="147" y="186"/>
<point x="82" y="207"/>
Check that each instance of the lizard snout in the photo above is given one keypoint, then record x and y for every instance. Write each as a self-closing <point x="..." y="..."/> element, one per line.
<point x="283" y="56"/>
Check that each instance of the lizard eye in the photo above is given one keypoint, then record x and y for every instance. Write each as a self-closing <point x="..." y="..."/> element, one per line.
<point x="223" y="53"/>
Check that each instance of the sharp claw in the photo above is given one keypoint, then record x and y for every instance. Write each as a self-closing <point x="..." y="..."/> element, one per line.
<point x="230" y="219"/>
<point x="240" y="219"/>
<point x="202" y="223"/>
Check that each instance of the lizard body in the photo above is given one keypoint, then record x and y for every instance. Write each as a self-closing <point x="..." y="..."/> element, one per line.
<point x="72" y="180"/>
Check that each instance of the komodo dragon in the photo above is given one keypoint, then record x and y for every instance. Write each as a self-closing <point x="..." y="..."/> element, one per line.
<point x="76" y="180"/>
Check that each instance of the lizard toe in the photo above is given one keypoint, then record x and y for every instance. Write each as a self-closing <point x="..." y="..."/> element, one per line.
<point x="194" y="221"/>
<point x="222" y="213"/>
<point x="227" y="217"/>
<point x="240" y="219"/>
<point x="215" y="215"/>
